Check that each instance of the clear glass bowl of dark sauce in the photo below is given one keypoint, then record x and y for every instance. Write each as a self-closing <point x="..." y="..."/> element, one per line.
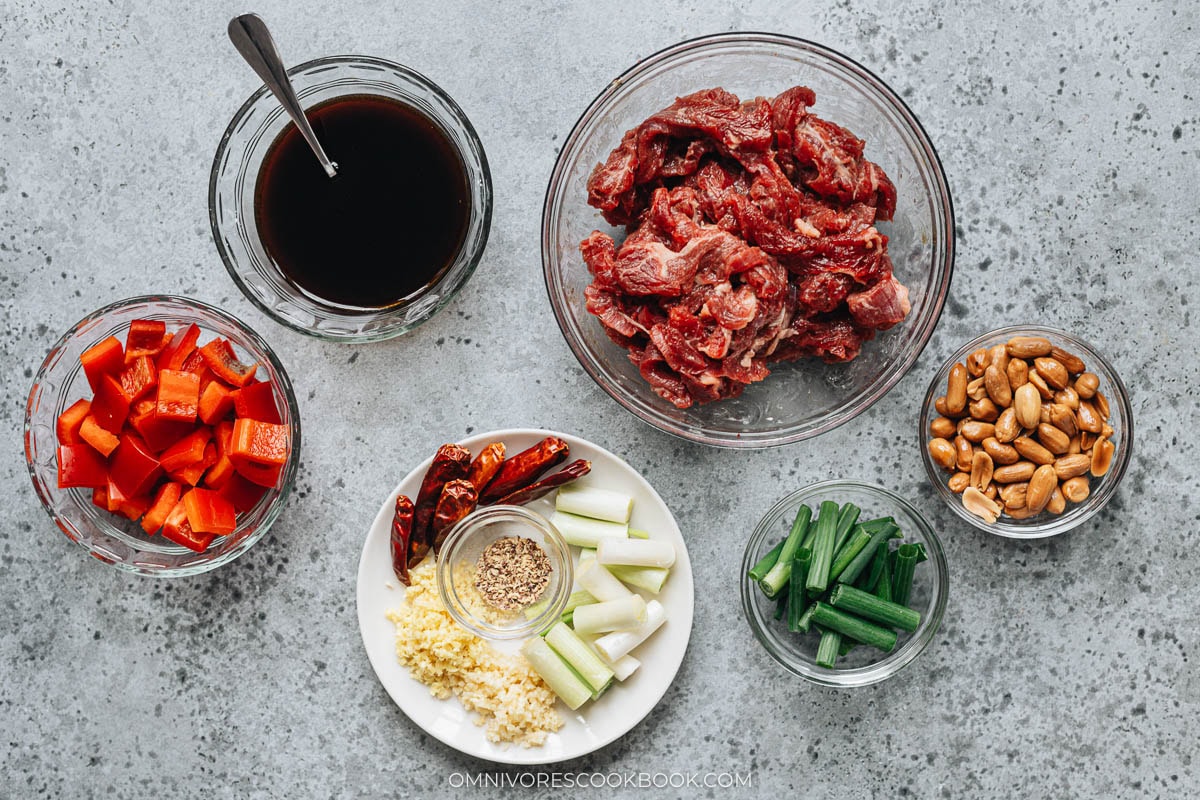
<point x="382" y="247"/>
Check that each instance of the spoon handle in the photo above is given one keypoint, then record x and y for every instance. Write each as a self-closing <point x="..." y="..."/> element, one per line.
<point x="250" y="36"/>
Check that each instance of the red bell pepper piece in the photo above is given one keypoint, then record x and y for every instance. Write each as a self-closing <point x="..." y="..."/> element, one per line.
<point x="187" y="451"/>
<point x="71" y="420"/>
<point x="110" y="406"/>
<point x="243" y="494"/>
<point x="146" y="337"/>
<point x="164" y="500"/>
<point x="178" y="395"/>
<point x="192" y="473"/>
<point x="159" y="434"/>
<point x="216" y="400"/>
<point x="103" y="358"/>
<point x="209" y="512"/>
<point x="180" y="347"/>
<point x="115" y="496"/>
<point x="219" y="472"/>
<point x="100" y="497"/>
<point x="257" y="401"/>
<point x="225" y="364"/>
<point x="263" y="474"/>
<point x="134" y="507"/>
<point x="134" y="469"/>
<point x="260" y="442"/>
<point x="97" y="437"/>
<point x="177" y="529"/>
<point x="223" y="436"/>
<point x="80" y="465"/>
<point x="194" y="363"/>
<point x="139" y="377"/>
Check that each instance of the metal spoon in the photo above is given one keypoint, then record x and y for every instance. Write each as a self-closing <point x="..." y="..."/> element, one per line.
<point x="250" y="36"/>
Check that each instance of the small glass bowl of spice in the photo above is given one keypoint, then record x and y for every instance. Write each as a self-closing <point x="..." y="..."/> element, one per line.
<point x="504" y="572"/>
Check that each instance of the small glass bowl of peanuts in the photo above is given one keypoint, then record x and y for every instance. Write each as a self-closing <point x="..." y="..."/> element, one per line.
<point x="1026" y="432"/>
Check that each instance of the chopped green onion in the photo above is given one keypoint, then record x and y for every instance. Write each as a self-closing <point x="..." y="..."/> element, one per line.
<point x="557" y="674"/>
<point x="622" y="614"/>
<point x="586" y="532"/>
<point x="635" y="552"/>
<point x="649" y="578"/>
<point x="775" y="579"/>
<point x="883" y="589"/>
<point x="880" y="532"/>
<point x="781" y="605"/>
<point x="846" y="519"/>
<point x="827" y="650"/>
<point x="580" y="656"/>
<point x="866" y="605"/>
<point x="595" y="578"/>
<point x="635" y="533"/>
<point x="593" y="502"/>
<point x="625" y="666"/>
<point x="902" y="576"/>
<point x="797" y="600"/>
<point x="822" y="549"/>
<point x="855" y="542"/>
<point x="806" y="619"/>
<point x="760" y="570"/>
<point x="854" y="627"/>
<point x="613" y="646"/>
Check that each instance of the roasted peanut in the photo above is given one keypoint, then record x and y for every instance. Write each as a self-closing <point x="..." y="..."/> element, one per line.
<point x="999" y="353"/>
<point x="959" y="481"/>
<point x="1033" y="451"/>
<point x="1028" y="405"/>
<point x="1088" y="418"/>
<point x="1086" y="385"/>
<point x="1074" y="446"/>
<point x="1067" y="397"/>
<point x="1058" y="503"/>
<point x="990" y="492"/>
<point x="1007" y="427"/>
<point x="942" y="427"/>
<point x="1056" y="374"/>
<point x="1102" y="456"/>
<point x="1029" y="347"/>
<point x="1101" y="404"/>
<point x="1072" y="362"/>
<point x="1107" y="431"/>
<point x="1041" y="486"/>
<point x="1053" y="439"/>
<point x="1076" y="489"/>
<point x="976" y="390"/>
<point x="975" y="431"/>
<point x="981" y="470"/>
<point x="1040" y="383"/>
<point x="963" y="453"/>
<point x="956" y="389"/>
<point x="1014" y="473"/>
<point x="939" y="405"/>
<point x="1063" y="418"/>
<point x="978" y="361"/>
<point x="1017" y="373"/>
<point x="1022" y="513"/>
<point x="980" y="504"/>
<point x="1013" y="495"/>
<point x="1086" y="440"/>
<point x="1045" y="415"/>
<point x="998" y="389"/>
<point x="1070" y="466"/>
<point x="942" y="453"/>
<point x="1000" y="453"/>
<point x="983" y="410"/>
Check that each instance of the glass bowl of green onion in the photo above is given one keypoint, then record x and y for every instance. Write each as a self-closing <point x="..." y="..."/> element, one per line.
<point x="844" y="583"/>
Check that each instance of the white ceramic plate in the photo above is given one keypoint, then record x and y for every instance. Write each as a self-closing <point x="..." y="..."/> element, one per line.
<point x="595" y="724"/>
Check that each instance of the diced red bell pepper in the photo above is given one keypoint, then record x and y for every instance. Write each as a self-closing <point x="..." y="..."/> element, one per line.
<point x="164" y="500"/>
<point x="97" y="437"/>
<point x="134" y="468"/>
<point x="194" y="363"/>
<point x="263" y="474"/>
<point x="192" y="473"/>
<point x="100" y="497"/>
<point x="260" y="442"/>
<point x="115" y="496"/>
<point x="209" y="512"/>
<point x="257" y="401"/>
<point x="71" y="420"/>
<point x="225" y="365"/>
<point x="219" y="472"/>
<point x="103" y="358"/>
<point x="134" y="507"/>
<point x="223" y="436"/>
<point x="177" y="529"/>
<point x="187" y="451"/>
<point x="180" y="347"/>
<point x="146" y="337"/>
<point x="110" y="405"/>
<point x="178" y="395"/>
<point x="80" y="465"/>
<point x="243" y="494"/>
<point x="215" y="402"/>
<point x="159" y="434"/>
<point x="139" y="378"/>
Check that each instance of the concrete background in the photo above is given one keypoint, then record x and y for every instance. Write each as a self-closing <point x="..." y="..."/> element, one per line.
<point x="1065" y="668"/>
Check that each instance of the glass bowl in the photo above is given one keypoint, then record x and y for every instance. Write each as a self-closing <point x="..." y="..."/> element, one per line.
<point x="232" y="184"/>
<point x="1102" y="489"/>
<point x="61" y="381"/>
<point x="799" y="399"/>
<point x="863" y="666"/>
<point x="456" y="573"/>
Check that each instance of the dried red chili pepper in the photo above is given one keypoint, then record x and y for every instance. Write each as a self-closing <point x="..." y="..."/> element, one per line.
<point x="449" y="463"/>
<point x="458" y="499"/>
<point x="401" y="531"/>
<point x="486" y="465"/>
<point x="571" y="472"/>
<point x="525" y="467"/>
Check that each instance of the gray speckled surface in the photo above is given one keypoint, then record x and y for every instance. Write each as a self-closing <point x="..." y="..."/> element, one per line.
<point x="1064" y="668"/>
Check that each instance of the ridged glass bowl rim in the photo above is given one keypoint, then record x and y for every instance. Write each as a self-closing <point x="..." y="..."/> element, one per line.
<point x="484" y="177"/>
<point x="893" y="662"/>
<point x="662" y="60"/>
<point x="290" y="470"/>
<point x="559" y="554"/>
<point x="1102" y="489"/>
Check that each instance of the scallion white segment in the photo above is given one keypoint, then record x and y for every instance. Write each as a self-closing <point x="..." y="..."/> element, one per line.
<point x="589" y="501"/>
<point x="649" y="578"/>
<point x="557" y="674"/>
<point x="624" y="667"/>
<point x="585" y="532"/>
<point x="586" y="556"/>
<point x="636" y="533"/>
<point x="615" y="646"/>
<point x="580" y="656"/>
<point x="627" y="613"/>
<point x="596" y="579"/>
<point x="635" y="552"/>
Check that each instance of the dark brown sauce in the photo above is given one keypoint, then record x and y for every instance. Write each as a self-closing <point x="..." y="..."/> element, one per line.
<point x="389" y="225"/>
